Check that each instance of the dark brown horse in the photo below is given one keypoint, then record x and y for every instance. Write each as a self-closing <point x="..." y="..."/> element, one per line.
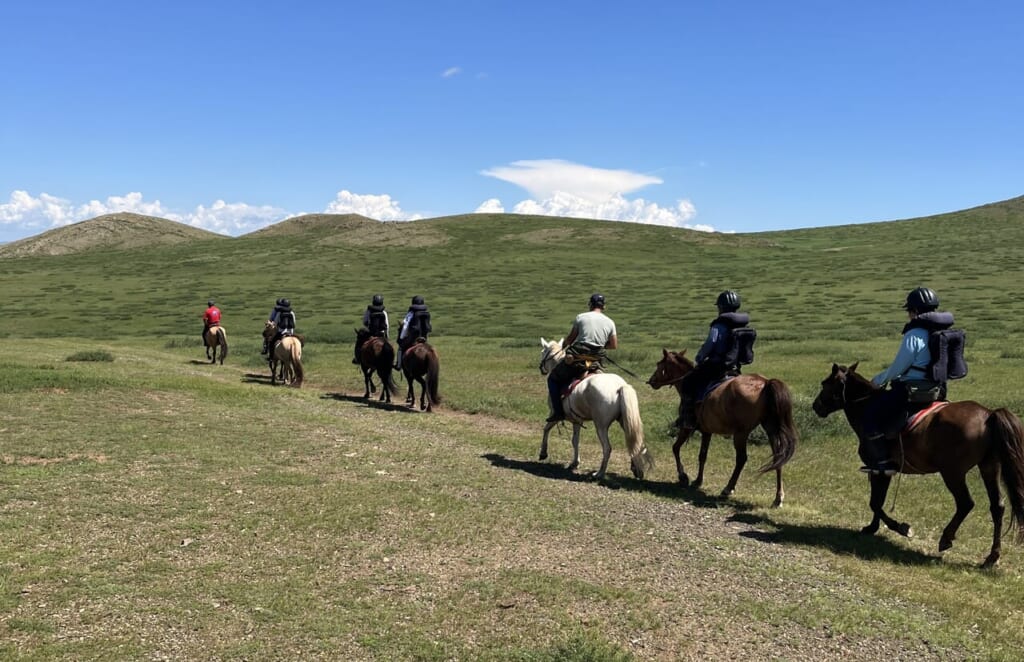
<point x="376" y="355"/>
<point x="949" y="441"/>
<point x="736" y="408"/>
<point x="421" y="363"/>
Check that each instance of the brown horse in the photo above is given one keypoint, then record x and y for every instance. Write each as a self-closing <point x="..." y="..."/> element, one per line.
<point x="735" y="408"/>
<point x="421" y="363"/>
<point x="286" y="355"/>
<point x="949" y="441"/>
<point x="376" y="354"/>
<point x="215" y="337"/>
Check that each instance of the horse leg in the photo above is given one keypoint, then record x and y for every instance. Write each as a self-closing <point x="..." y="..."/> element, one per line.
<point x="702" y="458"/>
<point x="879" y="490"/>
<point x="780" y="492"/>
<point x="410" y="397"/>
<point x="575" y="464"/>
<point x="544" y="440"/>
<point x="681" y="437"/>
<point x="606" y="449"/>
<point x="739" y="442"/>
<point x="990" y="474"/>
<point x="366" y="384"/>
<point x="423" y="393"/>
<point x="957" y="485"/>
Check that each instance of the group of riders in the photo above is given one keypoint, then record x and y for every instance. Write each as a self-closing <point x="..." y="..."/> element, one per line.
<point x="930" y="354"/>
<point x="415" y="326"/>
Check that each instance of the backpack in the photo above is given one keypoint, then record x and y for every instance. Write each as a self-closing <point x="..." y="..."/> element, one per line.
<point x="947" y="350"/>
<point x="741" y="346"/>
<point x="376" y="326"/>
<point x="419" y="325"/>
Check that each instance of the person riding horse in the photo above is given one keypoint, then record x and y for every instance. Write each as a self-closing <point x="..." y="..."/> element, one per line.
<point x="592" y="333"/>
<point x="375" y="320"/>
<point x="210" y="318"/>
<point x="728" y="345"/>
<point x="416" y="325"/>
<point x="911" y="378"/>
<point x="283" y="316"/>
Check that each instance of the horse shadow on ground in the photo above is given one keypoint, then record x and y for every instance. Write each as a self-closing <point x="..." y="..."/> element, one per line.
<point x="256" y="378"/>
<point x="612" y="480"/>
<point x="201" y="362"/>
<point x="885" y="545"/>
<point x="371" y="402"/>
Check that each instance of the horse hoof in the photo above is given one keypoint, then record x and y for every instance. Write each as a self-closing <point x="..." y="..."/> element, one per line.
<point x="907" y="532"/>
<point x="945" y="544"/>
<point x="777" y="503"/>
<point x="991" y="561"/>
<point x="543" y="456"/>
<point x="684" y="480"/>
<point x="869" y="530"/>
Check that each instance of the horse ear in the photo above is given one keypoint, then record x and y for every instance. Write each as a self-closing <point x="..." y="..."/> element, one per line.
<point x="543" y="343"/>
<point x="835" y="368"/>
<point x="853" y="368"/>
<point x="664" y="353"/>
<point x="561" y="341"/>
<point x="682" y="353"/>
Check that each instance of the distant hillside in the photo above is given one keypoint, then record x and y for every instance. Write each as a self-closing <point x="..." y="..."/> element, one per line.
<point x="354" y="230"/>
<point x="122" y="231"/>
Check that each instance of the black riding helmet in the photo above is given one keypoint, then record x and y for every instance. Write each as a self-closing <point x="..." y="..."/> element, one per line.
<point x="596" y="301"/>
<point x="922" y="299"/>
<point x="285" y="303"/>
<point x="378" y="299"/>
<point x="728" y="301"/>
<point x="210" y="302"/>
<point x="417" y="300"/>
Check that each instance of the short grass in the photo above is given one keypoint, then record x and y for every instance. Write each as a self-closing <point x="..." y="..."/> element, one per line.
<point x="156" y="507"/>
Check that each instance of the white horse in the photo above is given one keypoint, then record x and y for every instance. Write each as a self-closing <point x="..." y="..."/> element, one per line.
<point x="602" y="398"/>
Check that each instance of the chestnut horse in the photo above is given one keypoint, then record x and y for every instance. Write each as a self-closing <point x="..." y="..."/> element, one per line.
<point x="734" y="408"/>
<point x="376" y="354"/>
<point x="213" y="338"/>
<point x="286" y="354"/>
<point x="949" y="441"/>
<point x="420" y="363"/>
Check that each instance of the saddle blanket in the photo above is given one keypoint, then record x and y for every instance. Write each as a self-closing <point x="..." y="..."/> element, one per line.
<point x="919" y="416"/>
<point x="574" y="383"/>
<point x="711" y="387"/>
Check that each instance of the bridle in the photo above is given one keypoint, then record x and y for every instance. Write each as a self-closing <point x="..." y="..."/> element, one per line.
<point x="549" y="353"/>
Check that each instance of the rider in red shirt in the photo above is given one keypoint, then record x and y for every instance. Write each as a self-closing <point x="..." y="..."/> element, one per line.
<point x="210" y="318"/>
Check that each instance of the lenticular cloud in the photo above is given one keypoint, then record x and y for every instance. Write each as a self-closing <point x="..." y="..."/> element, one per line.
<point x="561" y="188"/>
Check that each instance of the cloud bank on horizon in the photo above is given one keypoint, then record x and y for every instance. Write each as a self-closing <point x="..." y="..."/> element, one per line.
<point x="555" y="187"/>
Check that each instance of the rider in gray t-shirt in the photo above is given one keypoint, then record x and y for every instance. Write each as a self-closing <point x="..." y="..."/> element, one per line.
<point x="592" y="333"/>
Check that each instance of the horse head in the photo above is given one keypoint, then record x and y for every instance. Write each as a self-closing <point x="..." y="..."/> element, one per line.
<point x="269" y="329"/>
<point x="842" y="387"/>
<point x="550" y="355"/>
<point x="671" y="369"/>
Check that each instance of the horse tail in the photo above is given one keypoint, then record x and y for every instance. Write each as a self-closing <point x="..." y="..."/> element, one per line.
<point x="433" y="373"/>
<point x="222" y="338"/>
<point x="387" y="368"/>
<point x="633" y="426"/>
<point x="1006" y="430"/>
<point x="297" y="362"/>
<point x="779" y="424"/>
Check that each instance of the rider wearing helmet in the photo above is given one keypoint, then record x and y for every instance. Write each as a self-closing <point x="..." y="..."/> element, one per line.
<point x="211" y="317"/>
<point x="375" y="319"/>
<point x="415" y="325"/>
<point x="909" y="379"/>
<point x="715" y="359"/>
<point x="591" y="334"/>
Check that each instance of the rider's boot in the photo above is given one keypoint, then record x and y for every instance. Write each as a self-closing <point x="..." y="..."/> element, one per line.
<point x="687" y="414"/>
<point x="874" y="451"/>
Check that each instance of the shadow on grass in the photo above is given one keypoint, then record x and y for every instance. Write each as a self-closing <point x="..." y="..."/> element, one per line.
<point x="255" y="378"/>
<point x="612" y="480"/>
<point x="885" y="545"/>
<point x="372" y="403"/>
<point x="200" y="362"/>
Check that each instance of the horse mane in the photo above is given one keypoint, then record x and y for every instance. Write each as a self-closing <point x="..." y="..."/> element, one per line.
<point x="680" y="357"/>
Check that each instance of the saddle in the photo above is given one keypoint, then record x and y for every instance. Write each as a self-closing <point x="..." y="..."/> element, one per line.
<point x="712" y="386"/>
<point x="582" y="360"/>
<point x="920" y="415"/>
<point x="574" y="383"/>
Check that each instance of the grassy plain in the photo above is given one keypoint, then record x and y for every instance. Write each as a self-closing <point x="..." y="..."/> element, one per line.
<point x="154" y="507"/>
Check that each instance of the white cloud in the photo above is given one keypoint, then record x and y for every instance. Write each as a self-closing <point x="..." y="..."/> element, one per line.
<point x="379" y="207"/>
<point x="451" y="71"/>
<point x="33" y="213"/>
<point x="562" y="188"/>
<point x="544" y="178"/>
<point x="492" y="206"/>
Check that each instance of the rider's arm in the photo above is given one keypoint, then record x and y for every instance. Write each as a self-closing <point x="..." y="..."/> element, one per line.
<point x="709" y="343"/>
<point x="910" y="346"/>
<point x="387" y="325"/>
<point x="613" y="342"/>
<point x="571" y="338"/>
<point x="366" y="318"/>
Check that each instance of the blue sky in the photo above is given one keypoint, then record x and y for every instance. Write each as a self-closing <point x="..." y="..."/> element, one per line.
<point x="740" y="116"/>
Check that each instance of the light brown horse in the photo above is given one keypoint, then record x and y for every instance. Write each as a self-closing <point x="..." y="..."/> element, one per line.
<point x="735" y="408"/>
<point x="215" y="337"/>
<point x="421" y="363"/>
<point x="376" y="354"/>
<point x="286" y="355"/>
<point x="950" y="441"/>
